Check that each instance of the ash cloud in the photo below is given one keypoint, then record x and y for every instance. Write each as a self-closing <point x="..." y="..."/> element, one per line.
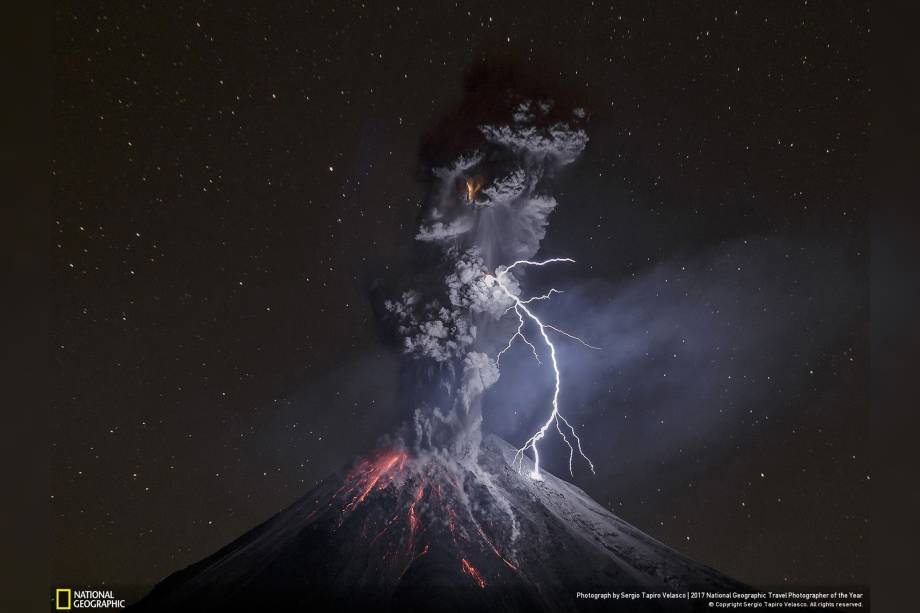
<point x="488" y="204"/>
<point x="507" y="219"/>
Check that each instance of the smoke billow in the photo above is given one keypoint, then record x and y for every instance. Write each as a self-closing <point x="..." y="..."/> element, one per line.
<point x="506" y="219"/>
<point x="488" y="206"/>
<point x="694" y="344"/>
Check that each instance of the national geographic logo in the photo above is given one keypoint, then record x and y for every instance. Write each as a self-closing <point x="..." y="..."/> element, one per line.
<point x="66" y="599"/>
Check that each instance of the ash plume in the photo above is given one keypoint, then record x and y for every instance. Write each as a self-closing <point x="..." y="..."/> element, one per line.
<point x="488" y="205"/>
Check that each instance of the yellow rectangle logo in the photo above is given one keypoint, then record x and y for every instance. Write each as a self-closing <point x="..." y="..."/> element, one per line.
<point x="62" y="597"/>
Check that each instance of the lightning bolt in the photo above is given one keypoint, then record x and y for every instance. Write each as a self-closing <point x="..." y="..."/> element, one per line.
<point x="520" y="308"/>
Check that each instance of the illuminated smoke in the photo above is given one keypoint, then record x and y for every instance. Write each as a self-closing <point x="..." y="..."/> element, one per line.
<point x="512" y="208"/>
<point x="523" y="312"/>
<point x="448" y="325"/>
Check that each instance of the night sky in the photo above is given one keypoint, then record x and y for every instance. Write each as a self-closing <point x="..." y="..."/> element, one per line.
<point x="231" y="181"/>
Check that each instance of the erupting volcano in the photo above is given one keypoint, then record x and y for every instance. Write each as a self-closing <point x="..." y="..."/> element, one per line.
<point x="442" y="516"/>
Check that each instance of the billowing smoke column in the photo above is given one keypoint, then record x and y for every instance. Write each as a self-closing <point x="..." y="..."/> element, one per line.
<point x="486" y="216"/>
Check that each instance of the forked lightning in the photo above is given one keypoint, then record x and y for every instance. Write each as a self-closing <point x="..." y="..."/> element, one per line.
<point x="555" y="417"/>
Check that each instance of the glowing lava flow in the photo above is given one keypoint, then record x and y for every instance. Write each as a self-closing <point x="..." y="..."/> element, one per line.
<point x="470" y="570"/>
<point x="520" y="308"/>
<point x="402" y="507"/>
<point x="372" y="474"/>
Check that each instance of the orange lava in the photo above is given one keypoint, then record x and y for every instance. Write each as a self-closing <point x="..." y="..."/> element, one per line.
<point x="375" y="474"/>
<point x="452" y="522"/>
<point x="473" y="185"/>
<point x="470" y="570"/>
<point x="413" y="518"/>
<point x="389" y="468"/>
<point x="495" y="549"/>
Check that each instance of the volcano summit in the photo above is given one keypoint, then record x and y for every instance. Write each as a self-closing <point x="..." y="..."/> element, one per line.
<point x="406" y="532"/>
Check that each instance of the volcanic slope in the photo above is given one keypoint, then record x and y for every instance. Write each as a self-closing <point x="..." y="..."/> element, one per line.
<point x="423" y="532"/>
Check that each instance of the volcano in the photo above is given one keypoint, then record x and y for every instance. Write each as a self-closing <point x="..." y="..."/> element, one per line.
<point x="419" y="532"/>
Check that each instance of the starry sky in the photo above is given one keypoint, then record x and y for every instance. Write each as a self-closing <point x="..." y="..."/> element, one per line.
<point x="230" y="180"/>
